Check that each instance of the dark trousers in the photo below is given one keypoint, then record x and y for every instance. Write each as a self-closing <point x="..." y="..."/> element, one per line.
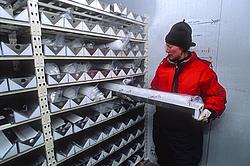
<point x="178" y="139"/>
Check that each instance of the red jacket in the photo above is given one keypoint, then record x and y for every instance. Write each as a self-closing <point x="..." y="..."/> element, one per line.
<point x="194" y="77"/>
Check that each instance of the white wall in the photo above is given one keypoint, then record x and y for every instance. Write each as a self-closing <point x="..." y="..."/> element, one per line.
<point x="229" y="140"/>
<point x="230" y="136"/>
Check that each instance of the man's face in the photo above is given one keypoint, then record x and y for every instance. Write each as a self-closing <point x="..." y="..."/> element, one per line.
<point x="175" y="53"/>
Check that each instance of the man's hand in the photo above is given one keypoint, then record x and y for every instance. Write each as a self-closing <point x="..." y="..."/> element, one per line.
<point x="204" y="116"/>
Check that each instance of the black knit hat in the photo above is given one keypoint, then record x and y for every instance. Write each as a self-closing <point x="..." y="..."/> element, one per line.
<point x="180" y="35"/>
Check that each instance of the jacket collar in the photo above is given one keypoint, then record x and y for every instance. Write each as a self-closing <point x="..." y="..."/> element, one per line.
<point x="192" y="56"/>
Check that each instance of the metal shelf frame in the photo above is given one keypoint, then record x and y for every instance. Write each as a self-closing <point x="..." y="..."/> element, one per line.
<point x="22" y="154"/>
<point x="37" y="30"/>
<point x="40" y="75"/>
<point x="93" y="81"/>
<point x="91" y="58"/>
<point x="99" y="17"/>
<point x="72" y="32"/>
<point x="17" y="91"/>
<point x="9" y="125"/>
<point x="96" y="11"/>
<point x="14" y="58"/>
<point x="103" y="121"/>
<point x="147" y="111"/>
<point x="83" y="106"/>
<point x="14" y="22"/>
<point x="99" y="142"/>
<point x="121" y="148"/>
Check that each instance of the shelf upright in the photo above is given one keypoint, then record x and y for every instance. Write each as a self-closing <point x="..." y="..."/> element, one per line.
<point x="41" y="83"/>
<point x="146" y="108"/>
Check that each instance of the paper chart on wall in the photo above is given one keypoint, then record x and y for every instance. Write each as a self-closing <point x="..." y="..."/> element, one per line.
<point x="205" y="35"/>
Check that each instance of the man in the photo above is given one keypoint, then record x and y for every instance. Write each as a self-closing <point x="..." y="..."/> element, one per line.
<point x="177" y="136"/>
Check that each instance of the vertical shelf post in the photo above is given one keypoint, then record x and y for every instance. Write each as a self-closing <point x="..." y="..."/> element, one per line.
<point x="35" y="31"/>
<point x="146" y="108"/>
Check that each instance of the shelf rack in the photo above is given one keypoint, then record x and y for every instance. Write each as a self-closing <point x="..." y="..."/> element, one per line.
<point x="37" y="30"/>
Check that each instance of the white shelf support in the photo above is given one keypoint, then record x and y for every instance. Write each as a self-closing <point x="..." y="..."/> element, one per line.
<point x="41" y="83"/>
<point x="148" y="132"/>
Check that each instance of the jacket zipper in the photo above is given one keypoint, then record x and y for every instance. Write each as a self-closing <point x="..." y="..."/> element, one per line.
<point x="177" y="72"/>
<point x="175" y="80"/>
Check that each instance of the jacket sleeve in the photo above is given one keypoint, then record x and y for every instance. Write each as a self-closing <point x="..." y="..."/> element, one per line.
<point x="212" y="93"/>
<point x="155" y="81"/>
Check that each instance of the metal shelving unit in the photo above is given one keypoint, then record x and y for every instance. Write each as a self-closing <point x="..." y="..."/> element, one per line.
<point x="15" y="58"/>
<point x="122" y="146"/>
<point x="88" y="8"/>
<point x="9" y="125"/>
<point x="21" y="154"/>
<point x="110" y="136"/>
<point x="14" y="22"/>
<point x="94" y="81"/>
<point x="17" y="91"/>
<point x="74" y="32"/>
<point x="92" y="58"/>
<point x="22" y="54"/>
<point x="86" y="105"/>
